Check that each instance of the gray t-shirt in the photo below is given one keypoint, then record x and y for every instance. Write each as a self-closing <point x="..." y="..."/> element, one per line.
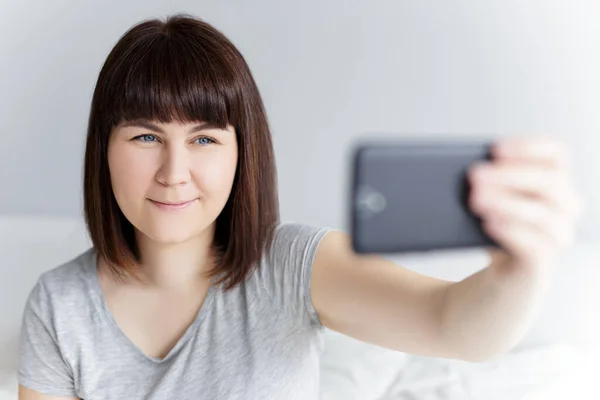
<point x="262" y="340"/>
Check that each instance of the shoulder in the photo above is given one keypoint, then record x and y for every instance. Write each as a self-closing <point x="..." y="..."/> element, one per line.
<point x="285" y="270"/>
<point x="55" y="321"/>
<point x="64" y="285"/>
<point x="295" y="239"/>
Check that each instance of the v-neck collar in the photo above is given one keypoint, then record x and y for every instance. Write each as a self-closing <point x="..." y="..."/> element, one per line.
<point x="101" y="302"/>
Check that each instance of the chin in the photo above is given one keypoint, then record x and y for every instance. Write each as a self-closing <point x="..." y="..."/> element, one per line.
<point x="170" y="238"/>
<point x="170" y="234"/>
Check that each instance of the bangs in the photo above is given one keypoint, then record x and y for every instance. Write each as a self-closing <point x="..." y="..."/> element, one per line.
<point x="166" y="79"/>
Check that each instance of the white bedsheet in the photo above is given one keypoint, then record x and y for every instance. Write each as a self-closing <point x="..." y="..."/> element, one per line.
<point x="510" y="377"/>
<point x="545" y="373"/>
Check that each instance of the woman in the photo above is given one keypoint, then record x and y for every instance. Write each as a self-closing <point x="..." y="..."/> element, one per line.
<point x="194" y="290"/>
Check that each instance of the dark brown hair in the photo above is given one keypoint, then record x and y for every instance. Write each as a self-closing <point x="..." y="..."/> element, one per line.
<point x="183" y="69"/>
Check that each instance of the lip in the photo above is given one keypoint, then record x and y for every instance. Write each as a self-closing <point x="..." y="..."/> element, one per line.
<point x="172" y="206"/>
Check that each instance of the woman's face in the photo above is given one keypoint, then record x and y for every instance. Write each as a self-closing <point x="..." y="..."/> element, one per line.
<point x="172" y="180"/>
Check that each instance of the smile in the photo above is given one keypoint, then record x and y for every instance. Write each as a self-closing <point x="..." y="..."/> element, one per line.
<point x="172" y="206"/>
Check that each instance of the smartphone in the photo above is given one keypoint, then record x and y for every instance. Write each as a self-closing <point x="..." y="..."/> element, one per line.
<point x="412" y="195"/>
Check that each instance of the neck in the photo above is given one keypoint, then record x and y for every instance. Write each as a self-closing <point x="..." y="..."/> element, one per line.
<point x="176" y="266"/>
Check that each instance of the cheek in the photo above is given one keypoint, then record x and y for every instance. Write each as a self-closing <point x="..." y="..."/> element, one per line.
<point x="130" y="174"/>
<point x="216" y="174"/>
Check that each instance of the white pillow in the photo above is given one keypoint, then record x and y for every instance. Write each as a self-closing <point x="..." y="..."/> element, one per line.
<point x="8" y="385"/>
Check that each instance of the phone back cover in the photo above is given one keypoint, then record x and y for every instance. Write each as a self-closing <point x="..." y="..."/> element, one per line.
<point x="412" y="196"/>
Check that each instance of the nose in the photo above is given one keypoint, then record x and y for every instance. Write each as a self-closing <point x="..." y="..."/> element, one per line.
<point x="175" y="168"/>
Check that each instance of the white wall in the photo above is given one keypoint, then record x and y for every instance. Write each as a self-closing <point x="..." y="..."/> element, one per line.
<point x="328" y="71"/>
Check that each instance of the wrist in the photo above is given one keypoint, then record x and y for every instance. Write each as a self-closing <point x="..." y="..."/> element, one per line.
<point x="506" y="268"/>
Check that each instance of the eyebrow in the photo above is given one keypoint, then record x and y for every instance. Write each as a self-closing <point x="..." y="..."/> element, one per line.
<point x="153" y="127"/>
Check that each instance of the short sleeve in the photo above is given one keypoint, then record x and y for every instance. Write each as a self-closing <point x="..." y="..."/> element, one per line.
<point x="289" y="269"/>
<point x="41" y="365"/>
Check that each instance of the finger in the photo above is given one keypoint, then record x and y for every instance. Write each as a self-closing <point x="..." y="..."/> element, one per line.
<point x="537" y="182"/>
<point x="517" y="209"/>
<point x="527" y="241"/>
<point x="502" y="204"/>
<point x="527" y="179"/>
<point x="519" y="240"/>
<point x="542" y="149"/>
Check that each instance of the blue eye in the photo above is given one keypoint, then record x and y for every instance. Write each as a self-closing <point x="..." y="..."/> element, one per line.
<point x="204" y="140"/>
<point x="146" y="138"/>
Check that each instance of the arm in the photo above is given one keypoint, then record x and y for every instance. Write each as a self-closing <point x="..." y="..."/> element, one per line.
<point x="528" y="204"/>
<point x="489" y="312"/>
<point x="28" y="394"/>
<point x="376" y="301"/>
